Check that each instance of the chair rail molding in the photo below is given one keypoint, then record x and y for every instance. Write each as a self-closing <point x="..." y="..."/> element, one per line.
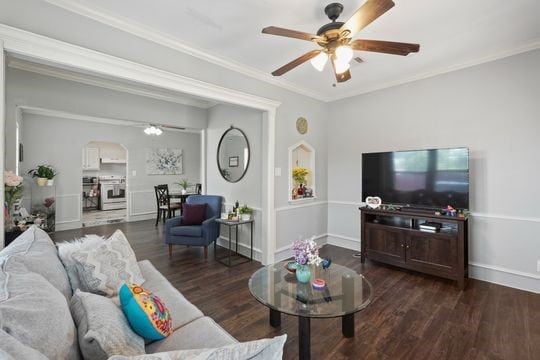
<point x="45" y="50"/>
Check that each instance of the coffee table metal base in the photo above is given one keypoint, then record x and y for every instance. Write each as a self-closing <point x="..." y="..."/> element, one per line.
<point x="304" y="330"/>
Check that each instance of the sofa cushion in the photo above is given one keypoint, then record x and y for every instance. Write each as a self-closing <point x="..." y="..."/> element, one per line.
<point x="35" y="313"/>
<point x="263" y="349"/>
<point x="181" y="310"/>
<point x="193" y="214"/>
<point x="147" y="315"/>
<point x="199" y="334"/>
<point x="191" y="231"/>
<point x="103" y="269"/>
<point x="36" y="251"/>
<point x="66" y="250"/>
<point x="103" y="328"/>
<point x="12" y="349"/>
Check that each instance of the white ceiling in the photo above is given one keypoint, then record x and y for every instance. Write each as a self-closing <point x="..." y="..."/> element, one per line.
<point x="451" y="34"/>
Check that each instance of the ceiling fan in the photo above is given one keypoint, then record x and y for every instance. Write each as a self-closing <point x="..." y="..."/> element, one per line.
<point x="335" y="39"/>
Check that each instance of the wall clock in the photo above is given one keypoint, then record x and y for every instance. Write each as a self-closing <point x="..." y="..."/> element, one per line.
<point x="301" y="125"/>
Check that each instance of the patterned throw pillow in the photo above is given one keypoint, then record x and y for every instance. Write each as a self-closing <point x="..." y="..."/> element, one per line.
<point x="145" y="312"/>
<point x="104" y="268"/>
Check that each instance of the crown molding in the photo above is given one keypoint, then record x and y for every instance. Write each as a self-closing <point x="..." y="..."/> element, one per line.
<point x="46" y="70"/>
<point x="101" y="15"/>
<point x="33" y="110"/>
<point x="528" y="46"/>
<point x="21" y="43"/>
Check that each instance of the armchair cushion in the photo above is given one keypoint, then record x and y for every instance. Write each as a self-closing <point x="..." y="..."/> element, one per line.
<point x="193" y="214"/>
<point x="191" y="230"/>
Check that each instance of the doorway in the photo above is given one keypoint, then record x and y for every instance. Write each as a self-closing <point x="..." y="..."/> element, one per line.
<point x="104" y="183"/>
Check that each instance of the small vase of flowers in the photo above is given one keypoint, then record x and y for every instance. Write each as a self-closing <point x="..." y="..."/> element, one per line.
<point x="306" y="252"/>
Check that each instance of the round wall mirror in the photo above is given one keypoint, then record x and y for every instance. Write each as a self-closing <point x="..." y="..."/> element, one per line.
<point x="233" y="155"/>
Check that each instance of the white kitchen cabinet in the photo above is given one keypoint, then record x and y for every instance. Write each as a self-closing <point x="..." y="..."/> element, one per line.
<point x="90" y="158"/>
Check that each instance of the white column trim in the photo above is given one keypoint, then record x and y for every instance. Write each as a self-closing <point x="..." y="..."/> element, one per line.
<point x="3" y="127"/>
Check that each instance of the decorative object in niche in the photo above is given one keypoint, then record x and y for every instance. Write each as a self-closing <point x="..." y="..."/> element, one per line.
<point x="301" y="171"/>
<point x="302" y="125"/>
<point x="164" y="162"/>
<point x="233" y="155"/>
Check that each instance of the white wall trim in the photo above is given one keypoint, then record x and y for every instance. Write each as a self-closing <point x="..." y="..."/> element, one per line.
<point x="352" y="203"/>
<point x="300" y="206"/>
<point x="505" y="217"/>
<point x="506" y="277"/>
<point x="50" y="51"/>
<point x="528" y="46"/>
<point x="148" y="33"/>
<point x="41" y="69"/>
<point x="99" y="14"/>
<point x="344" y="241"/>
<point x="3" y="127"/>
<point x="243" y="249"/>
<point x="131" y="213"/>
<point x="79" y="206"/>
<point x="33" y="110"/>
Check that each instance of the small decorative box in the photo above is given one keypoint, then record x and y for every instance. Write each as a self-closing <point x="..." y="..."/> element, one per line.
<point x="318" y="284"/>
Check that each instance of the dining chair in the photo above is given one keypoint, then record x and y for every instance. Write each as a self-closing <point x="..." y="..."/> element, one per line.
<point x="164" y="206"/>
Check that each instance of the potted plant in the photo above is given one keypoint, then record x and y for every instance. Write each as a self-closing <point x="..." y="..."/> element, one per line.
<point x="245" y="212"/>
<point x="184" y="184"/>
<point x="299" y="176"/>
<point x="44" y="175"/>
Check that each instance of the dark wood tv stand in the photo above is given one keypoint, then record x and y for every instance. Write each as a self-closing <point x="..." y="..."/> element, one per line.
<point x="393" y="237"/>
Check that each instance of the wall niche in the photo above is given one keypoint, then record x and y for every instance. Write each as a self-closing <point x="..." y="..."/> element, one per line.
<point x="301" y="173"/>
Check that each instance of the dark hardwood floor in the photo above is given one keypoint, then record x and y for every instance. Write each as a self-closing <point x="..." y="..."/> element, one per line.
<point x="412" y="316"/>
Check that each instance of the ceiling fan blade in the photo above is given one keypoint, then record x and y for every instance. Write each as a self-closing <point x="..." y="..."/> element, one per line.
<point x="365" y="15"/>
<point x="387" y="47"/>
<point x="344" y="76"/>
<point x="302" y="59"/>
<point x="273" y="30"/>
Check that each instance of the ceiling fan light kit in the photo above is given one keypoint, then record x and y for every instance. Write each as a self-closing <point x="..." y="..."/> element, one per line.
<point x="335" y="39"/>
<point x="153" y="130"/>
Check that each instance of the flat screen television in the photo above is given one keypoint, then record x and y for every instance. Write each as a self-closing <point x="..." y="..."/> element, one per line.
<point x="431" y="178"/>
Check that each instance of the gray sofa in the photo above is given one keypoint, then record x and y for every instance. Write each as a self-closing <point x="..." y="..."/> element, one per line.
<point x="35" y="318"/>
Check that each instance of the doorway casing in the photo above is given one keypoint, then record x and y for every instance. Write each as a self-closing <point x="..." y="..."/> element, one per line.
<point x="41" y="49"/>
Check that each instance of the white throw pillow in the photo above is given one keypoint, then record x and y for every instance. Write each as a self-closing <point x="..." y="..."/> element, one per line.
<point x="67" y="248"/>
<point x="103" y="269"/>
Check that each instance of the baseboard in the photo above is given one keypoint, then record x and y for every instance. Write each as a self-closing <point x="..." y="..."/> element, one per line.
<point x="243" y="249"/>
<point x="285" y="252"/>
<point x="343" y="241"/>
<point x="506" y="277"/>
<point x="490" y="273"/>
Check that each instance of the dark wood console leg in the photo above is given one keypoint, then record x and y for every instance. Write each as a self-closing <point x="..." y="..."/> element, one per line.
<point x="275" y="318"/>
<point x="347" y="325"/>
<point x="304" y="338"/>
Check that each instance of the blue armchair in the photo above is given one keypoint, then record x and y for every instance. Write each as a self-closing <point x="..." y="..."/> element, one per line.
<point x="195" y="235"/>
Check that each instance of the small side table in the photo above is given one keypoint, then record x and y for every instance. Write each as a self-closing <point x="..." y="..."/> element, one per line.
<point x="230" y="224"/>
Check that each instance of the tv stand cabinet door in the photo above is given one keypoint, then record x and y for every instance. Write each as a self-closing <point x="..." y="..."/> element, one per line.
<point x="385" y="244"/>
<point x="432" y="253"/>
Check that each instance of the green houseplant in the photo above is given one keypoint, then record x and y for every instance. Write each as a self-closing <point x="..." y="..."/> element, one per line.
<point x="44" y="174"/>
<point x="184" y="184"/>
<point x="245" y="212"/>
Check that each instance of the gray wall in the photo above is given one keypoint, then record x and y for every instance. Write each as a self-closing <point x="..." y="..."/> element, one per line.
<point x="493" y="109"/>
<point x="30" y="89"/>
<point x="249" y="189"/>
<point x="59" y="142"/>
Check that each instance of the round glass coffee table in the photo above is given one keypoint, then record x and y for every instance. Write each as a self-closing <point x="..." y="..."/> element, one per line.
<point x="345" y="293"/>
